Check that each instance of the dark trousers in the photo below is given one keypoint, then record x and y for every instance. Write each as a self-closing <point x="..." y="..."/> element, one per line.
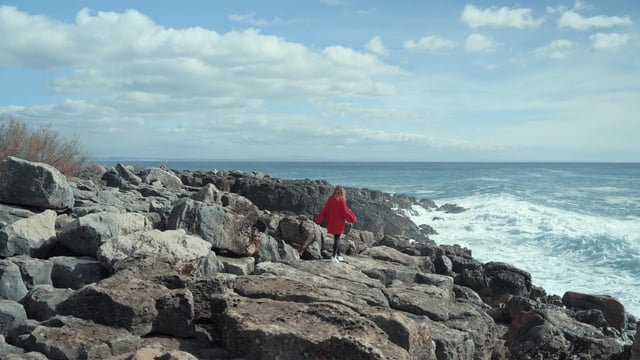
<point x="336" y="243"/>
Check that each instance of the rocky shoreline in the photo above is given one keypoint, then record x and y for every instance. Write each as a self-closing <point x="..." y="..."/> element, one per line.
<point x="160" y="264"/>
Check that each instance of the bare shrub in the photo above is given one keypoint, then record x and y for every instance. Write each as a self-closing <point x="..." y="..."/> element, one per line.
<point x="44" y="144"/>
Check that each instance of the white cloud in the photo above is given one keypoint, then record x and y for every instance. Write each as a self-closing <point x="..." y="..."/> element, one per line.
<point x="573" y="20"/>
<point x="128" y="56"/>
<point x="430" y="43"/>
<point x="250" y="19"/>
<point x="580" y="5"/>
<point x="611" y="41"/>
<point x="557" y="49"/>
<point x="503" y="17"/>
<point x="481" y="43"/>
<point x="376" y="46"/>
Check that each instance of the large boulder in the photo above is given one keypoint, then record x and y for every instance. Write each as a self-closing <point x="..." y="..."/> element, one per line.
<point x="12" y="315"/>
<point x="268" y="329"/>
<point x="161" y="177"/>
<point x="33" y="184"/>
<point x="229" y="226"/>
<point x="41" y="302"/>
<point x="73" y="273"/>
<point x="34" y="271"/>
<point x="68" y="338"/>
<point x="612" y="309"/>
<point x="270" y="249"/>
<point x="552" y="334"/>
<point x="298" y="232"/>
<point x="137" y="305"/>
<point x="12" y="286"/>
<point x="86" y="234"/>
<point x="176" y="244"/>
<point x="31" y="236"/>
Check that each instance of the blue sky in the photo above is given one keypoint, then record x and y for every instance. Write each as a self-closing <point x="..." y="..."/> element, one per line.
<point x="329" y="79"/>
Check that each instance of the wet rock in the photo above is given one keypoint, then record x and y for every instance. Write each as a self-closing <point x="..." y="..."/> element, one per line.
<point x="612" y="309"/>
<point x="451" y="209"/>
<point x="635" y="348"/>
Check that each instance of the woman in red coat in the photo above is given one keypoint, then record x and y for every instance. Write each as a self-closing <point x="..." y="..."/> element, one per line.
<point x="336" y="213"/>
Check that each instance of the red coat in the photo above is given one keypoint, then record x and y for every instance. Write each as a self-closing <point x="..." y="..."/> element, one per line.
<point x="336" y="212"/>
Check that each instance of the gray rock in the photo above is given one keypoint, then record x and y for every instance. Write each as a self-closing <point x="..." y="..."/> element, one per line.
<point x="64" y="337"/>
<point x="270" y="249"/>
<point x="41" y="302"/>
<point x="389" y="254"/>
<point x="238" y="266"/>
<point x="34" y="184"/>
<point x="228" y="228"/>
<point x="8" y="349"/>
<point x="34" y="271"/>
<point x="451" y="343"/>
<point x="175" y="244"/>
<point x="127" y="174"/>
<point x="155" y="353"/>
<point x="73" y="273"/>
<point x="26" y="356"/>
<point x="11" y="285"/>
<point x="299" y="232"/>
<point x="267" y="329"/>
<point x="10" y="214"/>
<point x="140" y="306"/>
<point x="12" y="315"/>
<point x="337" y="281"/>
<point x="87" y="233"/>
<point x="31" y="236"/>
<point x="160" y="177"/>
<point x="413" y="334"/>
<point x="209" y="195"/>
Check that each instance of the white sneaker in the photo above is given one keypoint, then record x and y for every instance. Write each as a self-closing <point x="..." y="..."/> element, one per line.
<point x="335" y="260"/>
<point x="340" y="258"/>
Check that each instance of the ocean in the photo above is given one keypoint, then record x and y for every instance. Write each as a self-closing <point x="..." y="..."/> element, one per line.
<point x="573" y="226"/>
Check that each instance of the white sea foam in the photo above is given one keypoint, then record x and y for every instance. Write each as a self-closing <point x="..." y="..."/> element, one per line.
<point x="562" y="249"/>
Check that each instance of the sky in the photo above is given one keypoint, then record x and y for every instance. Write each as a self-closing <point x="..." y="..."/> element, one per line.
<point x="328" y="80"/>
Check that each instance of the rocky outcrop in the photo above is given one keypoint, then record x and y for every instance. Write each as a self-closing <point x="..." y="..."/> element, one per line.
<point x="224" y="265"/>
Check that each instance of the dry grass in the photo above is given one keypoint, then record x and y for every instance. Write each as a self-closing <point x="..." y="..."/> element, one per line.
<point x="44" y="144"/>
